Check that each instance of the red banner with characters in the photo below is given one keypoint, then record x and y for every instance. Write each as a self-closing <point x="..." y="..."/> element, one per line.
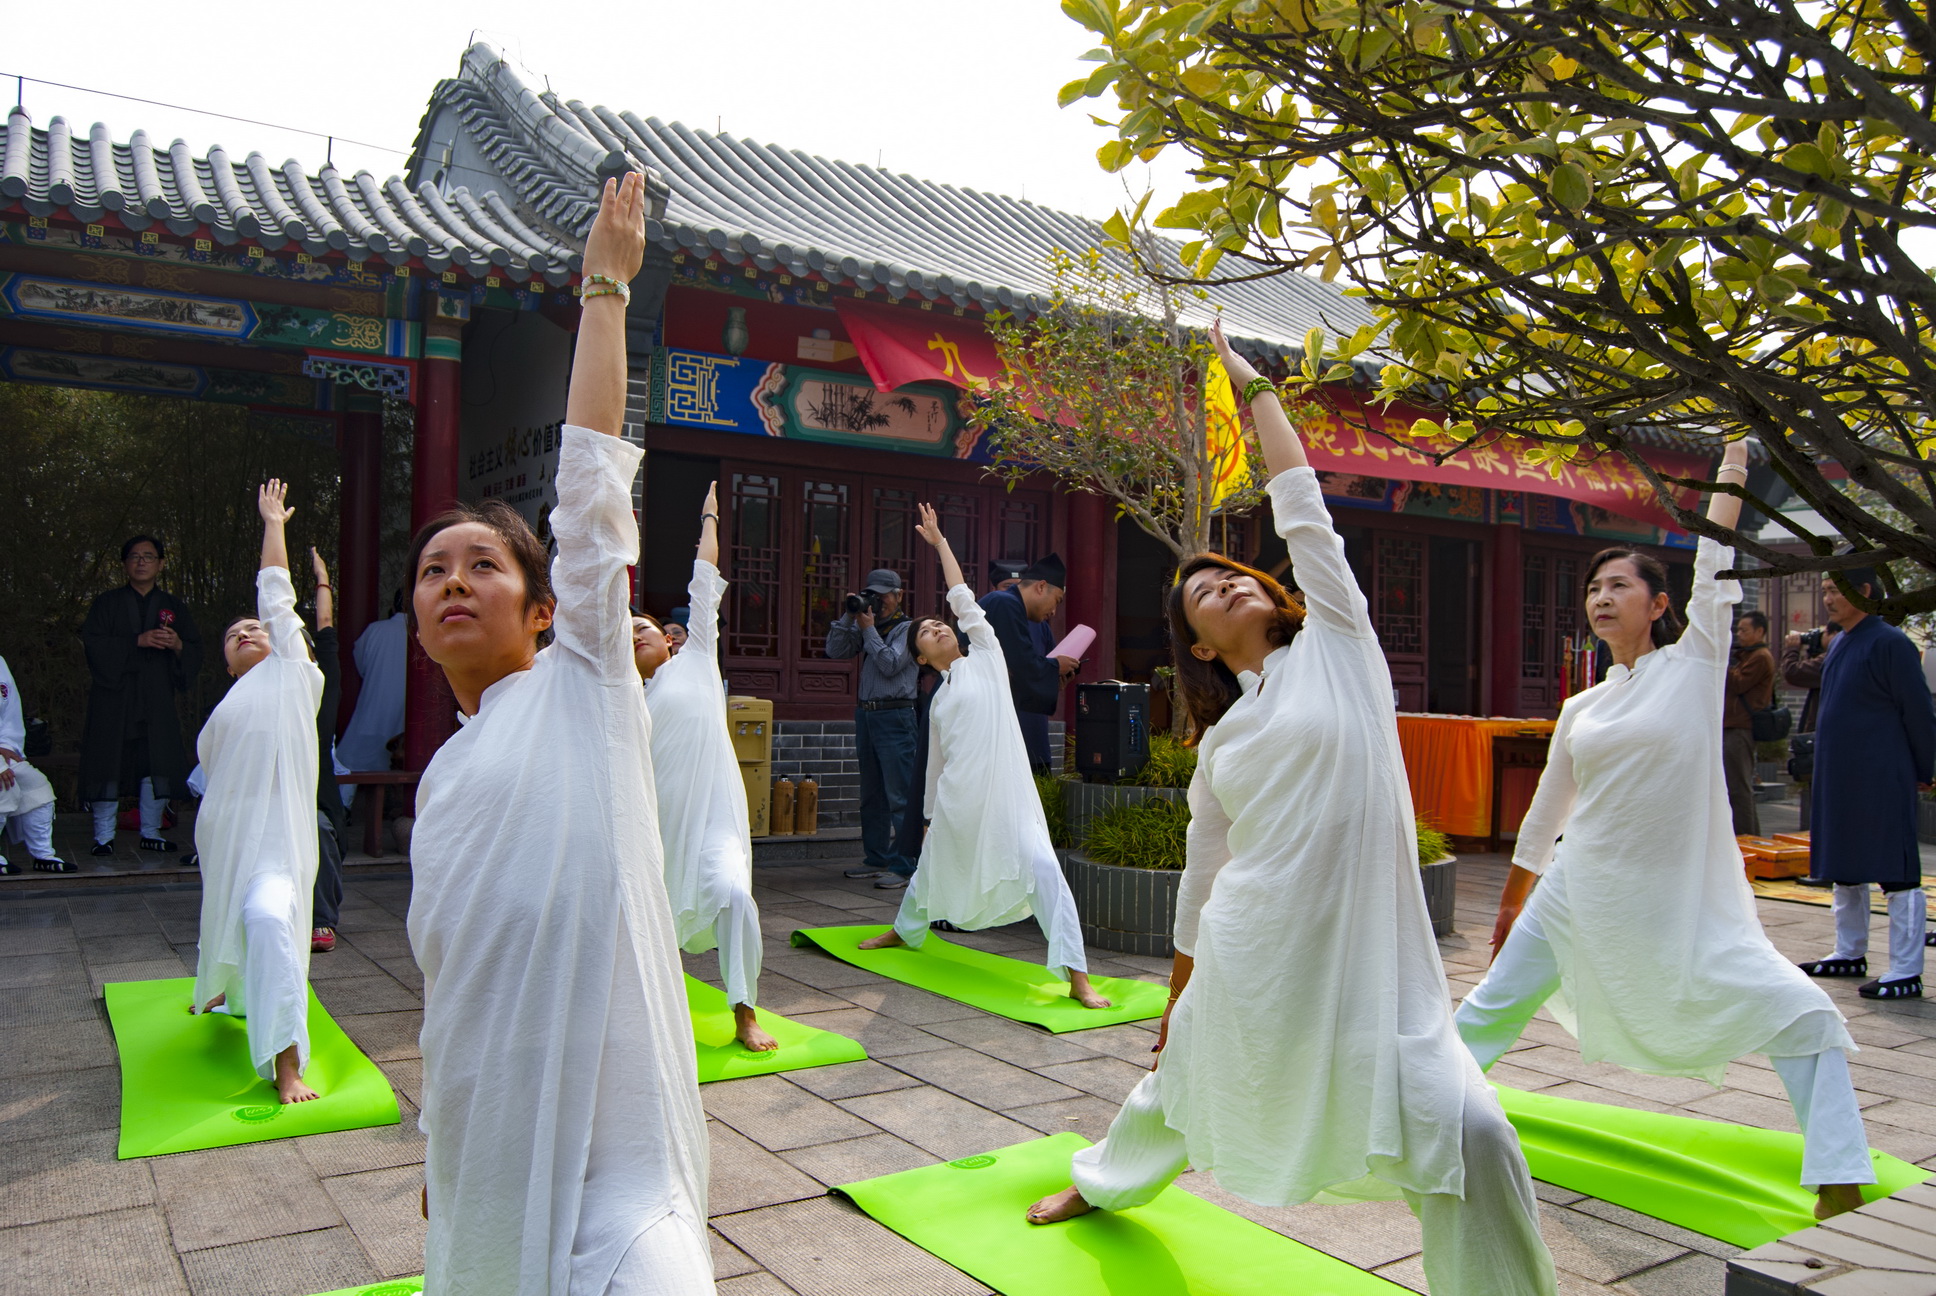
<point x="900" y="346"/>
<point x="1342" y="442"/>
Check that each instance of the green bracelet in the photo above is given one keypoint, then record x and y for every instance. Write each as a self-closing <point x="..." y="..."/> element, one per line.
<point x="1256" y="386"/>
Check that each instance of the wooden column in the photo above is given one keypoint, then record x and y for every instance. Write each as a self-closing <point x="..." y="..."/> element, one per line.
<point x="360" y="527"/>
<point x="1091" y="561"/>
<point x="430" y="712"/>
<point x="1507" y="580"/>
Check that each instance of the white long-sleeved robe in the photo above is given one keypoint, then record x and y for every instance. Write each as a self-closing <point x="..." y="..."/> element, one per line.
<point x="256" y="833"/>
<point x="31" y="789"/>
<point x="560" y="1095"/>
<point x="702" y="802"/>
<point x="1313" y="1049"/>
<point x="380" y="660"/>
<point x="1664" y="966"/>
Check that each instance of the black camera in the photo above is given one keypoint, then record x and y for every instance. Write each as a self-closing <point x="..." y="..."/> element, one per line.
<point x="1812" y="642"/>
<point x="868" y="602"/>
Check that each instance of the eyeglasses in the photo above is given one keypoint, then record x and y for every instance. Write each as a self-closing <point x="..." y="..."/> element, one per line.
<point x="142" y="558"/>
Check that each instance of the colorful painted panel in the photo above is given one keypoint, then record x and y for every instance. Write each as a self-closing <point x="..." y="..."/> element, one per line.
<point x="115" y="373"/>
<point x="846" y="409"/>
<point x="117" y="306"/>
<point x="694" y="389"/>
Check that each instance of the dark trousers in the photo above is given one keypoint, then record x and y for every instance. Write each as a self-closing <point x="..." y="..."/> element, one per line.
<point x="1738" y="765"/>
<point x="884" y="746"/>
<point x="328" y="896"/>
<point x="913" y="828"/>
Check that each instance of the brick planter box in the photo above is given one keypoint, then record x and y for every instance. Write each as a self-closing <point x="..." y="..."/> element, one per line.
<point x="1925" y="820"/>
<point x="1130" y="910"/>
<point x="1441" y="881"/>
<point x="1082" y="802"/>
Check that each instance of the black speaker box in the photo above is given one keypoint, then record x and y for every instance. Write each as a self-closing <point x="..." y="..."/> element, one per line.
<point x="1112" y="731"/>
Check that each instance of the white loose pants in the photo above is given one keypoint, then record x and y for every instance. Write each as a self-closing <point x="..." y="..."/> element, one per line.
<point x="1908" y="919"/>
<point x="36" y="828"/>
<point x="1485" y="1243"/>
<point x="1835" y="1148"/>
<point x="275" y="992"/>
<point x="672" y="1258"/>
<point x="737" y="929"/>
<point x="105" y="813"/>
<point x="1055" y="913"/>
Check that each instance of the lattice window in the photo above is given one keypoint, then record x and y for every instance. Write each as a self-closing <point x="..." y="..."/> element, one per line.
<point x="893" y="543"/>
<point x="1535" y="641"/>
<point x="826" y="561"/>
<point x="1232" y="537"/>
<point x="960" y="518"/>
<point x="1019" y="524"/>
<point x="1400" y="609"/>
<point x="752" y="628"/>
<point x="1569" y="611"/>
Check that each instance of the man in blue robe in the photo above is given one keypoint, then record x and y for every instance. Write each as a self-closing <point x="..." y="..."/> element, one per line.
<point x="1018" y="611"/>
<point x="1875" y="746"/>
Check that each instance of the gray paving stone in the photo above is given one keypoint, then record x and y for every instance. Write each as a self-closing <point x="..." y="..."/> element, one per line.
<point x="851" y="1160"/>
<point x="100" y="975"/>
<point x="384" y="1208"/>
<point x="136" y="948"/>
<point x="375" y="943"/>
<point x="20" y="971"/>
<point x="905" y="1003"/>
<point x="37" y="940"/>
<point x="61" y="1046"/>
<point x="16" y="913"/>
<point x="1107" y="1078"/>
<point x="48" y="1005"/>
<point x="745" y="1176"/>
<point x="359" y="919"/>
<point x="938" y="1122"/>
<point x="122" y="1253"/>
<point x="354" y="996"/>
<point x="343" y="961"/>
<point x="1365" y="1234"/>
<point x="1566" y="1064"/>
<point x="323" y="1261"/>
<point x="52" y="1104"/>
<point x="984" y="1080"/>
<point x="114" y="922"/>
<point x="728" y="1260"/>
<point x="836" y="897"/>
<point x="1555" y="1194"/>
<point x="240" y="1194"/>
<point x="1598" y="1250"/>
<point x="406" y="1077"/>
<point x="1745" y="1109"/>
<point x="822" y="971"/>
<point x="788" y="997"/>
<point x="381" y="1147"/>
<point x="386" y="1036"/>
<point x="851" y="1078"/>
<point x="1084" y="1115"/>
<point x="754" y="1284"/>
<point x="405" y="970"/>
<point x="778" y="1115"/>
<point x="827" y="1247"/>
<point x="1128" y="1042"/>
<point x="1638" y="1223"/>
<point x="882" y="1037"/>
<point x="72" y="1174"/>
<point x="1026" y="1046"/>
<point x="805" y="913"/>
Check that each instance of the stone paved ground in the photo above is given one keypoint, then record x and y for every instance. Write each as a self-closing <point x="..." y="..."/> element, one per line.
<point x="315" y="1214"/>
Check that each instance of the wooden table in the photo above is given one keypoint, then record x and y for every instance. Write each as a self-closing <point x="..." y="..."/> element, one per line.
<point x="1512" y="751"/>
<point x="379" y="782"/>
<point x="1457" y="784"/>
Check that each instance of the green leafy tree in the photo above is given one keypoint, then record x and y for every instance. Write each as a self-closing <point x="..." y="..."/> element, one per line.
<point x="1104" y="390"/>
<point x="1582" y="217"/>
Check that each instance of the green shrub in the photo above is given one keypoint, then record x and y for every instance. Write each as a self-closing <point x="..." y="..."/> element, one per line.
<point x="1049" y="788"/>
<point x="1147" y="834"/>
<point x="1433" y="845"/>
<point x="1171" y="764"/>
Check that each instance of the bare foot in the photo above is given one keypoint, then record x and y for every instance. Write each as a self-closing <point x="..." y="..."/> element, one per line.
<point x="289" y="1085"/>
<point x="1834" y="1199"/>
<point x="1083" y="993"/>
<point x="886" y="940"/>
<point x="747" y="1027"/>
<point x="1066" y="1204"/>
<point x="216" y="1002"/>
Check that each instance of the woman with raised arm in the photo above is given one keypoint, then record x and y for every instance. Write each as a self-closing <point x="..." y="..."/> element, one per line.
<point x="256" y="830"/>
<point x="702" y="803"/>
<point x="1308" y="1046"/>
<point x="1643" y="930"/>
<point x="566" y="1145"/>
<point x="987" y="859"/>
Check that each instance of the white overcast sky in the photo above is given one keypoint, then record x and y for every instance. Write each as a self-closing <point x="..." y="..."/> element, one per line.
<point x="956" y="92"/>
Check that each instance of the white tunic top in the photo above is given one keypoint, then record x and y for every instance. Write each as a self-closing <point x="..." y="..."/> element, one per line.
<point x="31" y="789"/>
<point x="560" y="1094"/>
<point x="380" y="654"/>
<point x="1663" y="964"/>
<point x="258" y="817"/>
<point x="702" y="801"/>
<point x="987" y="829"/>
<point x="1314" y="1045"/>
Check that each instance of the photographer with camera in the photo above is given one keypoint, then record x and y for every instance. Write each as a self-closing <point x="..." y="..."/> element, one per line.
<point x="871" y="627"/>
<point x="1802" y="654"/>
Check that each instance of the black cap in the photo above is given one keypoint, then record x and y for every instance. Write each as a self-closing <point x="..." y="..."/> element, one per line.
<point x="1048" y="569"/>
<point x="679" y="616"/>
<point x="883" y="580"/>
<point x="1005" y="569"/>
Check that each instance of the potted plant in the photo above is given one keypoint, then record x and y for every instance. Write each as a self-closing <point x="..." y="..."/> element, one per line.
<point x="1125" y="874"/>
<point x="1438" y="870"/>
<point x="1165" y="777"/>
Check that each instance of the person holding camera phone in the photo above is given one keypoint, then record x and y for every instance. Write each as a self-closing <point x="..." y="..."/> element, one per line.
<point x="872" y="628"/>
<point x="1803" y="653"/>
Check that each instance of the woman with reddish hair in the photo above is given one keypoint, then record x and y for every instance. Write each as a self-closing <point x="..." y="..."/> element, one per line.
<point x="1308" y="1047"/>
<point x="566" y="1145"/>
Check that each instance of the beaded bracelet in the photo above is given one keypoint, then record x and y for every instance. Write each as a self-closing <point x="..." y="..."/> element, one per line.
<point x="598" y="285"/>
<point x="1256" y="387"/>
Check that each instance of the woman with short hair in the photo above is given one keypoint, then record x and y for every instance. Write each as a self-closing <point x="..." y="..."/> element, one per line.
<point x="1308" y="1046"/>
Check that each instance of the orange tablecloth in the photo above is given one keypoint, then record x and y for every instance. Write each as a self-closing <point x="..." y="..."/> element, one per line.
<point x="1448" y="761"/>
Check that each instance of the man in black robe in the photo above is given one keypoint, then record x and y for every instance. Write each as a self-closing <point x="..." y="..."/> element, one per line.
<point x="142" y="649"/>
<point x="1018" y="615"/>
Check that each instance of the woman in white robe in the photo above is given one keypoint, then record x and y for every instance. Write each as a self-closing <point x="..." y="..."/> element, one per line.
<point x="702" y="801"/>
<point x="256" y="829"/>
<point x="1309" y="1048"/>
<point x="26" y="795"/>
<point x="987" y="859"/>
<point x="1643" y="931"/>
<point x="566" y="1145"/>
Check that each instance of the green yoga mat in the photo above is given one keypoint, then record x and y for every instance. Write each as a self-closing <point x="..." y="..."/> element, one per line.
<point x="722" y="1058"/>
<point x="1732" y="1182"/>
<point x="187" y="1083"/>
<point x="1023" y="992"/>
<point x="970" y="1213"/>
<point x="388" y="1287"/>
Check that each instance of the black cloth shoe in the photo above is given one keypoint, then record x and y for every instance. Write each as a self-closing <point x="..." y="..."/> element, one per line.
<point x="942" y="924"/>
<point x="55" y="865"/>
<point x="1907" y="988"/>
<point x="159" y="845"/>
<point x="191" y="861"/>
<point x="7" y="867"/>
<point x="1929" y="938"/>
<point x="892" y="882"/>
<point x="1835" y="967"/>
<point x="102" y="850"/>
<point x="861" y="873"/>
<point x="1822" y="883"/>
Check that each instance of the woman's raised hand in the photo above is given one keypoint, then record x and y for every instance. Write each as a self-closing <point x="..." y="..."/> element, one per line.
<point x="929" y="528"/>
<point x="616" y="246"/>
<point x="269" y="500"/>
<point x="1240" y="370"/>
<point x="318" y="566"/>
<point x="710" y="509"/>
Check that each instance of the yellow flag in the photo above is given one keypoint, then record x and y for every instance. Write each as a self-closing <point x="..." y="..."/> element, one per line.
<point x="1224" y="435"/>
